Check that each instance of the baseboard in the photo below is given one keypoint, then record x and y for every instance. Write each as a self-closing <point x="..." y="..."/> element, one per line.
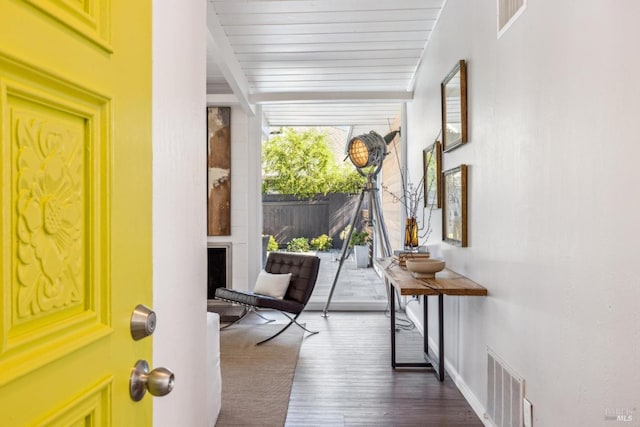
<point x="469" y="396"/>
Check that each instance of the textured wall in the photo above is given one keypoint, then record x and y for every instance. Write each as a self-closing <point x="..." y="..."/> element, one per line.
<point x="553" y="214"/>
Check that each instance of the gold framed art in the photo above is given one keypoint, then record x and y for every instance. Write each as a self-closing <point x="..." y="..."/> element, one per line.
<point x="432" y="174"/>
<point x="454" y="206"/>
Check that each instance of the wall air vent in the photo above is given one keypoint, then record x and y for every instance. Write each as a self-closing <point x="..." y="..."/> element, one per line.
<point x="505" y="391"/>
<point x="508" y="12"/>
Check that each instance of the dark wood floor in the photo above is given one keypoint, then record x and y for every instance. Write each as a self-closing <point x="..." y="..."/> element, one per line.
<point x="344" y="378"/>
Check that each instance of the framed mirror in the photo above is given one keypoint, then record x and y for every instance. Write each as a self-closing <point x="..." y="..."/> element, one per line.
<point x="454" y="107"/>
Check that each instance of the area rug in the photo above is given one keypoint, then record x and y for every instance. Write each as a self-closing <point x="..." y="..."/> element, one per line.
<point x="256" y="380"/>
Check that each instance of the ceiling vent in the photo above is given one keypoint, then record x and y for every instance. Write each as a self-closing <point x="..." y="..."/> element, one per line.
<point x="505" y="391"/>
<point x="508" y="12"/>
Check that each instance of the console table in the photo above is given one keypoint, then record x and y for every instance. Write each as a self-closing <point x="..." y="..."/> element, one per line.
<point x="446" y="282"/>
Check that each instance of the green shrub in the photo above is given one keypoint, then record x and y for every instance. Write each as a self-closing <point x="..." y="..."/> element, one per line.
<point x="302" y="164"/>
<point x="299" y="244"/>
<point x="272" y="245"/>
<point x="322" y="243"/>
<point x="359" y="238"/>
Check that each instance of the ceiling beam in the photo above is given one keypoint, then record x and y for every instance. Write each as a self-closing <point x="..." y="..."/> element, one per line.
<point x="218" y="47"/>
<point x="292" y="97"/>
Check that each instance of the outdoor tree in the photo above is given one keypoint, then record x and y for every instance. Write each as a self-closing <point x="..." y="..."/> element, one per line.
<point x="301" y="163"/>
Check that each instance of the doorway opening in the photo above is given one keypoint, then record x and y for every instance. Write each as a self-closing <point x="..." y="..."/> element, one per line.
<point x="309" y="197"/>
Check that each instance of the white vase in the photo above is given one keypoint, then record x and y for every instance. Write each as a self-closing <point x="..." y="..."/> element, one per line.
<point x="361" y="253"/>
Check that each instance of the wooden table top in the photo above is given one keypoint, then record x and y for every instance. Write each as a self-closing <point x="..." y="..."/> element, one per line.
<point x="446" y="282"/>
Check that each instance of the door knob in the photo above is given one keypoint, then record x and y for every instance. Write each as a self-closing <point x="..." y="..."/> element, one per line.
<point x="143" y="322"/>
<point x="158" y="382"/>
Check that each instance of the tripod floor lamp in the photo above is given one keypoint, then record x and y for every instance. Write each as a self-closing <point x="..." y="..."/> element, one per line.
<point x="367" y="152"/>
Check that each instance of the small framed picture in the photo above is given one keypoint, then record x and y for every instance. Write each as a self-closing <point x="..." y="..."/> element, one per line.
<point x="432" y="170"/>
<point x="454" y="209"/>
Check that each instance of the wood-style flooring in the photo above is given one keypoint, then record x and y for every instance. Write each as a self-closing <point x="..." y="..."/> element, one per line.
<point x="344" y="378"/>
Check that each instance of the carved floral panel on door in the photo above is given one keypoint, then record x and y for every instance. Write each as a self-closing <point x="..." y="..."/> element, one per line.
<point x="54" y="179"/>
<point x="50" y="222"/>
<point x="219" y="171"/>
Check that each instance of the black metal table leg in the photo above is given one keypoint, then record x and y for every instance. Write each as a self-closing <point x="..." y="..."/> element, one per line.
<point x="425" y="332"/>
<point x="437" y="368"/>
<point x="441" y="337"/>
<point x="437" y="365"/>
<point x="392" y="307"/>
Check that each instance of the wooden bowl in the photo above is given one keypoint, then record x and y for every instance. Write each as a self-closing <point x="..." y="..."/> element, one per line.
<point x="425" y="267"/>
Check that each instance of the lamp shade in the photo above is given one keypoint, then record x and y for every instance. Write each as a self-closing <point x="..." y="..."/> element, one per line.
<point x="358" y="153"/>
<point x="366" y="150"/>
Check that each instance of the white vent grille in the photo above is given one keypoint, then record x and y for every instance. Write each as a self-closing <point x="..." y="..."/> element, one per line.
<point x="508" y="12"/>
<point x="504" y="393"/>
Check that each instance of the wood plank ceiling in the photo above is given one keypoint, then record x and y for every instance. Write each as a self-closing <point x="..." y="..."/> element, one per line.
<point x="319" y="62"/>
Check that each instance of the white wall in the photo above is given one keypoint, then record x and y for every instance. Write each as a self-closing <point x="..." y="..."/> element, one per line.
<point x="553" y="212"/>
<point x="246" y="206"/>
<point x="179" y="208"/>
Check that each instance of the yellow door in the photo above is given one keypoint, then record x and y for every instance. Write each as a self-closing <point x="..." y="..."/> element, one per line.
<point x="75" y="165"/>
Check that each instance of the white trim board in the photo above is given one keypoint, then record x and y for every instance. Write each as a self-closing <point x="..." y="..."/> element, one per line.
<point x="469" y="396"/>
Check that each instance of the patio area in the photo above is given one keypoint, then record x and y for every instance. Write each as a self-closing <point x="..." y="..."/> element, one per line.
<point x="357" y="289"/>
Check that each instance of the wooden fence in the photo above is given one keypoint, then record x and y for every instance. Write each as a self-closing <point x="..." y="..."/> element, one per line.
<point x="286" y="217"/>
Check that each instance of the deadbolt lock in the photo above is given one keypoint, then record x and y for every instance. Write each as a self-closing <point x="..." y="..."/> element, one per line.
<point x="143" y="322"/>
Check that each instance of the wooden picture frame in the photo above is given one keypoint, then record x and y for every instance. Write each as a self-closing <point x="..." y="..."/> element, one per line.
<point x="218" y="171"/>
<point x="454" y="206"/>
<point x="453" y="90"/>
<point x="432" y="175"/>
